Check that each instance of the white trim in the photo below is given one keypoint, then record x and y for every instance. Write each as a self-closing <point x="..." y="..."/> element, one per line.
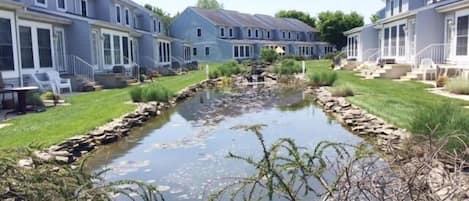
<point x="34" y="27"/>
<point x="61" y="9"/>
<point x="87" y="8"/>
<point x="243" y="46"/>
<point x="465" y="58"/>
<point x="44" y="5"/>
<point x="60" y="29"/>
<point x="127" y="16"/>
<point x="113" y="33"/>
<point x="15" y="72"/>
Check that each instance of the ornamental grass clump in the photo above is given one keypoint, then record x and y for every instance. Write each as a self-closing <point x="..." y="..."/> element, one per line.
<point x="458" y="86"/>
<point x="225" y="70"/>
<point x="342" y="91"/>
<point x="319" y="79"/>
<point x="287" y="67"/>
<point x="152" y="92"/>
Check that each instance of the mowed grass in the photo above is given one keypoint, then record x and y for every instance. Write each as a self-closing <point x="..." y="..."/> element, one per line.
<point x="395" y="102"/>
<point x="86" y="112"/>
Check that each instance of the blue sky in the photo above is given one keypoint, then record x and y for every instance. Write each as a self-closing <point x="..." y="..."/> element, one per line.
<point x="270" y="7"/>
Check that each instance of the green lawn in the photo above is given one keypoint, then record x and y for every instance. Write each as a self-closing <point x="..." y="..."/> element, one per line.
<point x="393" y="101"/>
<point x="86" y="112"/>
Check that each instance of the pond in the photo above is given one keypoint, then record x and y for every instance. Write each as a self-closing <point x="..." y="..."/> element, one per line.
<point x="184" y="150"/>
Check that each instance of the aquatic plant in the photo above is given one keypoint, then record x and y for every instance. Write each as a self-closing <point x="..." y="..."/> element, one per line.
<point x="150" y="92"/>
<point x="342" y="91"/>
<point x="225" y="70"/>
<point x="318" y="79"/>
<point x="287" y="67"/>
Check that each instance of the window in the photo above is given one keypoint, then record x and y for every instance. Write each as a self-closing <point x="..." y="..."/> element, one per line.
<point x="401" y="46"/>
<point x="154" y="26"/>
<point x="241" y="51"/>
<point x="187" y="53"/>
<point x="199" y="32"/>
<point x="131" y="50"/>
<point x="392" y="7"/>
<point x="26" y="46"/>
<point x="400" y="6"/>
<point x="207" y="51"/>
<point x="194" y="51"/>
<point x="117" y="49"/>
<point x="222" y="32"/>
<point x="107" y="49"/>
<point x="6" y="45"/>
<point x="386" y="42"/>
<point x="44" y="47"/>
<point x="268" y="34"/>
<point x="125" y="49"/>
<point x="41" y="3"/>
<point x="249" y="33"/>
<point x="247" y="51"/>
<point x="118" y="13"/>
<point x="284" y="36"/>
<point x="160" y="52"/>
<point x="84" y="8"/>
<point x="231" y="32"/>
<point x="164" y="52"/>
<point x="393" y="40"/>
<point x="159" y="26"/>
<point x="257" y="33"/>
<point x="61" y="5"/>
<point x="289" y="35"/>
<point x="462" y="36"/>
<point x="127" y="20"/>
<point x="236" y="51"/>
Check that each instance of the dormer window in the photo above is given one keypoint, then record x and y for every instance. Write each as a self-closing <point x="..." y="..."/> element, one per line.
<point x="297" y="36"/>
<point x="284" y="36"/>
<point x="249" y="33"/>
<point x="118" y="13"/>
<point x="392" y="7"/>
<point x="231" y="32"/>
<point x="289" y="35"/>
<point x="62" y="5"/>
<point x="159" y="26"/>
<point x="400" y="6"/>
<point x="41" y="3"/>
<point x="135" y="21"/>
<point x="154" y="25"/>
<point x="268" y="34"/>
<point x="127" y="20"/>
<point x="257" y="33"/>
<point x="222" y="32"/>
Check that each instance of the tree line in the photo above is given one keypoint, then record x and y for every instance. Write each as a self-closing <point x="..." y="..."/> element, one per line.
<point x="329" y="24"/>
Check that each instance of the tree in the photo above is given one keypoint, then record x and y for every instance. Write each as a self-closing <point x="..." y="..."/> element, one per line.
<point x="165" y="17"/>
<point x="209" y="4"/>
<point x="374" y="18"/>
<point x="331" y="26"/>
<point x="299" y="15"/>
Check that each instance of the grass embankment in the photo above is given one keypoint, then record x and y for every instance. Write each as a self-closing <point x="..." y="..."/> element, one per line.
<point x="86" y="112"/>
<point x="395" y="102"/>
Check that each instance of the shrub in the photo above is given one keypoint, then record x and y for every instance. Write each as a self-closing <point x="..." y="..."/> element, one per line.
<point x="445" y="118"/>
<point x="268" y="55"/>
<point x="34" y="99"/>
<point x="317" y="79"/>
<point x="441" y="81"/>
<point x="152" y="92"/>
<point x="333" y="55"/>
<point x="287" y="67"/>
<point x="296" y="58"/>
<point x="136" y="94"/>
<point x="50" y="96"/>
<point x="342" y="91"/>
<point x="225" y="70"/>
<point x="458" y="86"/>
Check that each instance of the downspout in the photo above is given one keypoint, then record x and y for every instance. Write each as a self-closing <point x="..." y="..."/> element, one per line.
<point x="18" y="49"/>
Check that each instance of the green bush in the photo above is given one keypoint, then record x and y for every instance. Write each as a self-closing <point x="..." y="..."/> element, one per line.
<point x="342" y="91"/>
<point x="34" y="99"/>
<point x="333" y="55"/>
<point x="458" y="86"/>
<point x="152" y="92"/>
<point x="136" y="94"/>
<point x="225" y="70"/>
<point x="50" y="96"/>
<point x="322" y="79"/>
<point x="296" y="58"/>
<point x="445" y="119"/>
<point x="287" y="67"/>
<point x="268" y="55"/>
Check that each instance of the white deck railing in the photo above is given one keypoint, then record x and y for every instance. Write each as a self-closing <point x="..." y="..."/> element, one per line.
<point x="373" y="57"/>
<point x="437" y="52"/>
<point x="79" y="67"/>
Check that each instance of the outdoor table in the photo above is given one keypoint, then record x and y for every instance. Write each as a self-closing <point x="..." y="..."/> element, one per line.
<point x="21" y="94"/>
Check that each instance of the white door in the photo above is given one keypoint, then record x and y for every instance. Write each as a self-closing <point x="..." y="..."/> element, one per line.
<point x="36" y="46"/>
<point x="59" y="46"/>
<point x="95" y="48"/>
<point x="8" y="56"/>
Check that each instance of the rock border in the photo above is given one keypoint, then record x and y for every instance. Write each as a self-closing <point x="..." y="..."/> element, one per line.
<point x="388" y="137"/>
<point x="75" y="147"/>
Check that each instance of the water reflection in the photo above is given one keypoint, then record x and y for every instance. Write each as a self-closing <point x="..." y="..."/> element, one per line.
<point x="184" y="150"/>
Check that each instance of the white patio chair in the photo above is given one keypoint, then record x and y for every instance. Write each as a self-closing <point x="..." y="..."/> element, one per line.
<point x="427" y="66"/>
<point x="44" y="82"/>
<point x="59" y="82"/>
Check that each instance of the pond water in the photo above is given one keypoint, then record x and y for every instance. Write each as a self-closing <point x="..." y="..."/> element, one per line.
<point x="184" y="150"/>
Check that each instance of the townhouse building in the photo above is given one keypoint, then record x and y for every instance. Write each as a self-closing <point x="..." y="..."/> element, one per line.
<point x="412" y="32"/>
<point x="79" y="38"/>
<point x="220" y="35"/>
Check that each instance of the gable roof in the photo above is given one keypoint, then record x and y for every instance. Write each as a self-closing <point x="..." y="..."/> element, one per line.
<point x="223" y="17"/>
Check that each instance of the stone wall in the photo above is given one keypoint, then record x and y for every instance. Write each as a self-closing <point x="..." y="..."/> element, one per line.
<point x="73" y="148"/>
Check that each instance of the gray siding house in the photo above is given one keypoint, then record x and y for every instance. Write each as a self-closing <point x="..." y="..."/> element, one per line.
<point x="220" y="35"/>
<point x="415" y="30"/>
<point x="79" y="38"/>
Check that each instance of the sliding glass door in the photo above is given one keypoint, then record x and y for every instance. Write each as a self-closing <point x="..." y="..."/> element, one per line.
<point x="59" y="45"/>
<point x="462" y="43"/>
<point x="394" y="41"/>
